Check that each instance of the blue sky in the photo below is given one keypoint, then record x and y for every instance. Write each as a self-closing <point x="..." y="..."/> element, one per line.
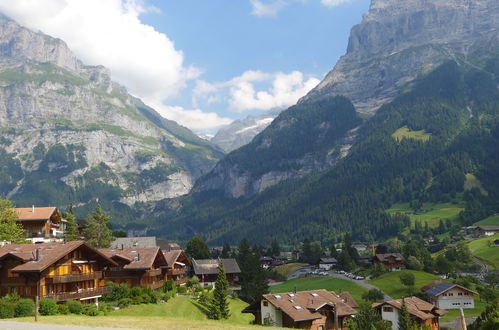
<point x="203" y="63"/>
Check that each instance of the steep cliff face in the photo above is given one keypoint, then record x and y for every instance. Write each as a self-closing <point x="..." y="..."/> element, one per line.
<point x="62" y="120"/>
<point x="398" y="41"/>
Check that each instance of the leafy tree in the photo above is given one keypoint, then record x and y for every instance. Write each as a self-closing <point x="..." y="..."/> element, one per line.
<point x="225" y="251"/>
<point x="197" y="248"/>
<point x="219" y="306"/>
<point x="492" y="279"/>
<point x="405" y="322"/>
<point x="252" y="277"/>
<point x="275" y="248"/>
<point x="373" y="295"/>
<point x="98" y="232"/>
<point x="414" y="263"/>
<point x="71" y="233"/>
<point x="367" y="318"/>
<point x="408" y="279"/>
<point x="9" y="229"/>
<point x="443" y="265"/>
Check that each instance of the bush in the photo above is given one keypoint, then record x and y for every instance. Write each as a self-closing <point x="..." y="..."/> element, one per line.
<point x="90" y="310"/>
<point x="75" y="306"/>
<point x="25" y="307"/>
<point x="373" y="295"/>
<point x="125" y="302"/>
<point x="155" y="297"/>
<point x="182" y="289"/>
<point x="7" y="309"/>
<point x="104" y="307"/>
<point x="137" y="300"/>
<point x="192" y="281"/>
<point x="63" y="309"/>
<point x="135" y="292"/>
<point x="119" y="292"/>
<point x="48" y="307"/>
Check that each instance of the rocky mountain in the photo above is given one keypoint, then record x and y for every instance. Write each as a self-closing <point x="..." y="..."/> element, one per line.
<point x="241" y="132"/>
<point x="398" y="41"/>
<point x="69" y="134"/>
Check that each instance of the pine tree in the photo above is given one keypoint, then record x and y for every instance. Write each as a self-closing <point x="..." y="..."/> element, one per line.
<point x="275" y="247"/>
<point x="225" y="251"/>
<point x="252" y="277"/>
<point x="404" y="319"/>
<point x="98" y="232"/>
<point x="71" y="233"/>
<point x="219" y="306"/>
<point x="9" y="229"/>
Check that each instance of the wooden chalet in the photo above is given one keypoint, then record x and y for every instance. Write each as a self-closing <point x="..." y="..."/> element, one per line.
<point x="178" y="267"/>
<point x="421" y="312"/>
<point x="61" y="271"/>
<point x="392" y="261"/>
<point x="41" y="224"/>
<point x="136" y="266"/>
<point x="207" y="271"/>
<point x="314" y="309"/>
<point x="447" y="295"/>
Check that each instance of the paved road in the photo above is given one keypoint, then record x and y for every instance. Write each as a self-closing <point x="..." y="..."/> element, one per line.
<point x="9" y="325"/>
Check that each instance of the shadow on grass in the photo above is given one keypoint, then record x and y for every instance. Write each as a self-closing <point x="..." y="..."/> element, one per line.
<point x="201" y="307"/>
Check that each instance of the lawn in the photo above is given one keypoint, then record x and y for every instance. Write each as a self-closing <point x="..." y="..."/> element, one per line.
<point x="406" y="133"/>
<point x="178" y="313"/>
<point x="391" y="285"/>
<point x="453" y="313"/>
<point x="484" y="249"/>
<point x="430" y="212"/>
<point x="287" y="269"/>
<point x="323" y="282"/>
<point x="490" y="221"/>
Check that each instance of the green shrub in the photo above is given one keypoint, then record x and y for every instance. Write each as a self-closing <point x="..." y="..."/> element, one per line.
<point x="63" y="309"/>
<point x="7" y="309"/>
<point x="119" y="292"/>
<point x="104" y="307"/>
<point x="48" y="307"/>
<point x="75" y="306"/>
<point x="90" y="310"/>
<point x="125" y="302"/>
<point x="25" y="307"/>
<point x="182" y="289"/>
<point x="192" y="281"/>
<point x="137" y="300"/>
<point x="135" y="292"/>
<point x="155" y="297"/>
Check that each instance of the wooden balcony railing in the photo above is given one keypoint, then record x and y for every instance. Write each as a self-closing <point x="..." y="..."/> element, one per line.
<point x="80" y="294"/>
<point x="156" y="285"/>
<point x="75" y="277"/>
<point x="153" y="272"/>
<point x="176" y="271"/>
<point x="13" y="281"/>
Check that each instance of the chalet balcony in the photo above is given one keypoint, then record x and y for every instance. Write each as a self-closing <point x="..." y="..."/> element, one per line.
<point x="13" y="281"/>
<point x="176" y="271"/>
<point x="57" y="279"/>
<point x="181" y="281"/>
<point x="153" y="272"/>
<point x="81" y="294"/>
<point x="156" y="285"/>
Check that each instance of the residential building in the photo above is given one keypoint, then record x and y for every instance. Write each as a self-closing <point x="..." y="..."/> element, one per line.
<point x="421" y="312"/>
<point x="450" y="296"/>
<point x="178" y="266"/>
<point x="61" y="271"/>
<point x="41" y="224"/>
<point x="479" y="231"/>
<point x="327" y="263"/>
<point x="133" y="242"/>
<point x="143" y="267"/>
<point x="207" y="271"/>
<point x="313" y="309"/>
<point x="392" y="261"/>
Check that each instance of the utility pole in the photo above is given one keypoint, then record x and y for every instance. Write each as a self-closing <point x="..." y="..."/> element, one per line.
<point x="463" y="320"/>
<point x="37" y="298"/>
<point x="335" y="316"/>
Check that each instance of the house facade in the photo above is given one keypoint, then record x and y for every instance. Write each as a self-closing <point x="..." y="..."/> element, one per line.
<point x="207" y="271"/>
<point x="61" y="271"/>
<point x="143" y="267"/>
<point x="41" y="224"/>
<point x="450" y="296"/>
<point x="178" y="266"/>
<point x="314" y="310"/>
<point x="392" y="261"/>
<point x="421" y="312"/>
<point x="327" y="263"/>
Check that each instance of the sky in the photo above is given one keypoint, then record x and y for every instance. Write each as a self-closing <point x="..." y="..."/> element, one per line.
<point x="202" y="63"/>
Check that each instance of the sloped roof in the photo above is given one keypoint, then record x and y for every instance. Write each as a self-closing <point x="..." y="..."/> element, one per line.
<point x="416" y="307"/>
<point x="48" y="254"/>
<point x="40" y="213"/>
<point x="328" y="260"/>
<point x="347" y="298"/>
<point x="172" y="256"/>
<point x="133" y="242"/>
<point x="210" y="266"/>
<point x="304" y="305"/>
<point x="137" y="258"/>
<point x="443" y="287"/>
<point x="388" y="256"/>
<point x="491" y="228"/>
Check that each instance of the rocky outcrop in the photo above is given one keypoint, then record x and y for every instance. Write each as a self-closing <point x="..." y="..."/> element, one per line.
<point x="49" y="99"/>
<point x="398" y="41"/>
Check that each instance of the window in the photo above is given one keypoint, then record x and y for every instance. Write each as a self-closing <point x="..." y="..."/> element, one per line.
<point x="387" y="309"/>
<point x="450" y="294"/>
<point x="460" y="294"/>
<point x="265" y="303"/>
<point x="321" y="327"/>
<point x="298" y="308"/>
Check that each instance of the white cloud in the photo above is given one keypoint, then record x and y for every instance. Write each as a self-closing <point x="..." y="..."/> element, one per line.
<point x="110" y="33"/>
<point x="262" y="8"/>
<point x="333" y="3"/>
<point x="245" y="93"/>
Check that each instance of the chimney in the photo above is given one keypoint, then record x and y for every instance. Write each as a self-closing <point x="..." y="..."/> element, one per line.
<point x="37" y="254"/>
<point x="33" y="209"/>
<point x="138" y="256"/>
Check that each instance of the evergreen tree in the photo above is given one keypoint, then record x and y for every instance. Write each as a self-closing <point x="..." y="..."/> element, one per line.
<point x="252" y="277"/>
<point x="198" y="249"/>
<point x="345" y="262"/>
<point x="367" y="318"/>
<point x="307" y="250"/>
<point x="71" y="233"/>
<point x="225" y="251"/>
<point x="98" y="232"/>
<point x="9" y="229"/>
<point x="405" y="322"/>
<point x="219" y="306"/>
<point x="275" y="248"/>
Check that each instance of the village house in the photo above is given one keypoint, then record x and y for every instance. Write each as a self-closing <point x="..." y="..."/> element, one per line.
<point x="420" y="311"/>
<point x="314" y="309"/>
<point x="178" y="266"/>
<point x="481" y="231"/>
<point x="142" y="267"/>
<point x="61" y="271"/>
<point x="41" y="224"/>
<point x="392" y="261"/>
<point x="449" y="295"/>
<point x="207" y="270"/>
<point x="327" y="263"/>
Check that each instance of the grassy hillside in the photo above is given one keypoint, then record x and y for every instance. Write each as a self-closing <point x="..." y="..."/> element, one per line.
<point x="485" y="249"/>
<point x="391" y="285"/>
<point x="430" y="212"/>
<point x="326" y="282"/>
<point x="490" y="221"/>
<point x="406" y="133"/>
<point x="287" y="269"/>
